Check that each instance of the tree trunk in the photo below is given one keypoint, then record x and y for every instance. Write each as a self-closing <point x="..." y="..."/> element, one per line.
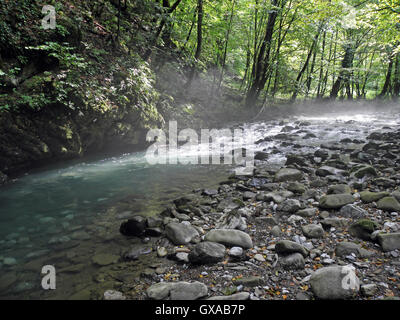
<point x="344" y="75"/>
<point x="396" y="80"/>
<point x="262" y="64"/>
<point x="385" y="89"/>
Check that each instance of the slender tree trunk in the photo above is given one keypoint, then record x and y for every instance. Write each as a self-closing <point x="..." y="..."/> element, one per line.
<point x="199" y="41"/>
<point x="396" y="80"/>
<point x="153" y="42"/>
<point x="262" y="63"/>
<point x="344" y="75"/>
<point x="385" y="89"/>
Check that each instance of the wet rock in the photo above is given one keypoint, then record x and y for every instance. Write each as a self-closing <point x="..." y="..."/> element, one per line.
<point x="180" y="233"/>
<point x="113" y="295"/>
<point x="389" y="241"/>
<point x="260" y="155"/>
<point x="288" y="174"/>
<point x="389" y="204"/>
<point x="209" y="192"/>
<point x="105" y="259"/>
<point x="396" y="194"/>
<point x="177" y="291"/>
<point x="285" y="247"/>
<point x="294" y="159"/>
<point x="339" y="189"/>
<point x="335" y="201"/>
<point x="207" y="252"/>
<point x="182" y="257"/>
<point x="313" y="231"/>
<point x="236" y="296"/>
<point x="293" y="261"/>
<point x="352" y="211"/>
<point x="133" y="227"/>
<point x="230" y="238"/>
<point x="363" y="229"/>
<point x="8" y="261"/>
<point x="328" y="171"/>
<point x="344" y="249"/>
<point x="153" y="232"/>
<point x="368" y="196"/>
<point x="3" y="178"/>
<point x="136" y="252"/>
<point x="334" y="283"/>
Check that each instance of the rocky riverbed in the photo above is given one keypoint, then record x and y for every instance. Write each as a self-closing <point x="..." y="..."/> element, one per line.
<point x="318" y="219"/>
<point x="289" y="233"/>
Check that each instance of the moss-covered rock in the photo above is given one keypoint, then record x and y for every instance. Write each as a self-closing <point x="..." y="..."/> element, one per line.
<point x="363" y="229"/>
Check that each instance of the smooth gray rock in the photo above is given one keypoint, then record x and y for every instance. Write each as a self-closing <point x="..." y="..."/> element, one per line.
<point x="339" y="189"/>
<point x="288" y="174"/>
<point x="287" y="247"/>
<point x="207" y="252"/>
<point x="335" y="201"/>
<point x="389" y="204"/>
<point x="307" y="213"/>
<point x="313" y="231"/>
<point x="389" y="241"/>
<point x="230" y="238"/>
<point x="236" y="296"/>
<point x="346" y="248"/>
<point x="334" y="283"/>
<point x="177" y="290"/>
<point x="292" y="261"/>
<point x="180" y="233"/>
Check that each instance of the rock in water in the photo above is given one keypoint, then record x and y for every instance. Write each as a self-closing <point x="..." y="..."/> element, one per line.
<point x="389" y="204"/>
<point x="288" y="174"/>
<point x="230" y="238"/>
<point x="177" y="290"/>
<point x="180" y="233"/>
<point x="133" y="227"/>
<point x="389" y="241"/>
<point x="207" y="252"/>
<point x="335" y="201"/>
<point x="113" y="295"/>
<point x="335" y="283"/>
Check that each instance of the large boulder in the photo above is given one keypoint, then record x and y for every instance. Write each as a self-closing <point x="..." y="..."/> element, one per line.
<point x="335" y="283"/>
<point x="180" y="233"/>
<point x="230" y="238"/>
<point x="207" y="252"/>
<point x="339" y="189"/>
<point x="335" y="201"/>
